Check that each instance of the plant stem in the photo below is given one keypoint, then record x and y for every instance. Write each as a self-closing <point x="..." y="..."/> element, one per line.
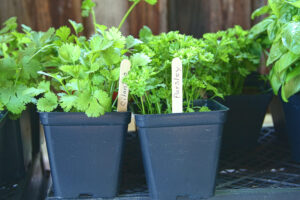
<point x="127" y="14"/>
<point x="94" y="20"/>
<point x="143" y="111"/>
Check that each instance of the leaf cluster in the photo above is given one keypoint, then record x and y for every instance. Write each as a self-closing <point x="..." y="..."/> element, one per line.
<point x="282" y="28"/>
<point x="215" y="65"/>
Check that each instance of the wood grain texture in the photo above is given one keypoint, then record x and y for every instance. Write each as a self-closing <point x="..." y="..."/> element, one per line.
<point x="144" y="14"/>
<point x="197" y="17"/>
<point x="41" y="14"/>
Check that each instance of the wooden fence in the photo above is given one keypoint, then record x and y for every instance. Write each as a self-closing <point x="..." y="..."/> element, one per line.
<point x="188" y="16"/>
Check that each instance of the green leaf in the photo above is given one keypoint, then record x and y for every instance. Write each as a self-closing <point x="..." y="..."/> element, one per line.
<point x="98" y="43"/>
<point x="77" y="71"/>
<point x="290" y="88"/>
<point x="260" y="11"/>
<point x="67" y="102"/>
<point x="132" y="42"/>
<point x="9" y="25"/>
<point x="82" y="101"/>
<point x="103" y="99"/>
<point x="151" y="2"/>
<point x="48" y="103"/>
<point x="275" y="82"/>
<point x="276" y="6"/>
<point x="293" y="73"/>
<point x="296" y="3"/>
<point x="285" y="61"/>
<point x="63" y="33"/>
<point x="115" y="74"/>
<point x="78" y="27"/>
<point x="272" y="31"/>
<point x="140" y="59"/>
<point x="30" y="67"/>
<point x="69" y="53"/>
<point x="291" y="37"/>
<point x="145" y="33"/>
<point x="94" y="109"/>
<point x="112" y="56"/>
<point x="116" y="36"/>
<point x="277" y="50"/>
<point x="86" y="7"/>
<point x="260" y="27"/>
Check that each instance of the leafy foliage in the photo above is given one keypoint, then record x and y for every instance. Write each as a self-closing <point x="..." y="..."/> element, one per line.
<point x="213" y="66"/>
<point x="81" y="75"/>
<point x="282" y="28"/>
<point x="20" y="56"/>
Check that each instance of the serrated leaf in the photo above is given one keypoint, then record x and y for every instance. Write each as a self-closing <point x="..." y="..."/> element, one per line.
<point x="140" y="59"/>
<point x="111" y="56"/>
<point x="48" y="103"/>
<point x="63" y="33"/>
<point x="94" y="109"/>
<point x="82" y="101"/>
<point x="103" y="99"/>
<point x="69" y="53"/>
<point x="67" y="102"/>
<point x="98" y="43"/>
<point x="78" y="27"/>
<point x="145" y="34"/>
<point x="113" y="34"/>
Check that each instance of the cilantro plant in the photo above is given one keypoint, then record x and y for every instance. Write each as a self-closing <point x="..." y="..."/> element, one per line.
<point x="80" y="74"/>
<point x="235" y="56"/>
<point x="149" y="79"/>
<point x="19" y="63"/>
<point x="282" y="29"/>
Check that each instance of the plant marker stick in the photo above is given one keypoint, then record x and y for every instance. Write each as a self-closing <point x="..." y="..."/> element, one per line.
<point x="123" y="88"/>
<point x="177" y="99"/>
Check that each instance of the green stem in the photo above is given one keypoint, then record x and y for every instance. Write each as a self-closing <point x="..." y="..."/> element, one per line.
<point x="143" y="111"/>
<point x="44" y="47"/>
<point x="94" y="20"/>
<point x="64" y="87"/>
<point x="127" y="14"/>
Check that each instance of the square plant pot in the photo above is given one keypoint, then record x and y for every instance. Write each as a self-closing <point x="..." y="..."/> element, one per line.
<point x="181" y="151"/>
<point x="12" y="167"/>
<point x="85" y="153"/>
<point x="292" y="116"/>
<point x="244" y="121"/>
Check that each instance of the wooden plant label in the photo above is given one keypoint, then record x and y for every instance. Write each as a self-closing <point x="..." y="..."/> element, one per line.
<point x="177" y="99"/>
<point x="123" y="88"/>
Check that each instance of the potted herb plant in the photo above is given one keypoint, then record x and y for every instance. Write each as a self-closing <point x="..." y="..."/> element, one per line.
<point x="282" y="28"/>
<point x="75" y="99"/>
<point x="18" y="72"/>
<point x="180" y="151"/>
<point x="234" y="71"/>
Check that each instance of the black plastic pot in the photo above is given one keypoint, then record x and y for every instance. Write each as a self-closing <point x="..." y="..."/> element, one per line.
<point x="292" y="117"/>
<point x="12" y="166"/>
<point x="181" y="151"/>
<point x="276" y="109"/>
<point x="85" y="153"/>
<point x="244" y="121"/>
